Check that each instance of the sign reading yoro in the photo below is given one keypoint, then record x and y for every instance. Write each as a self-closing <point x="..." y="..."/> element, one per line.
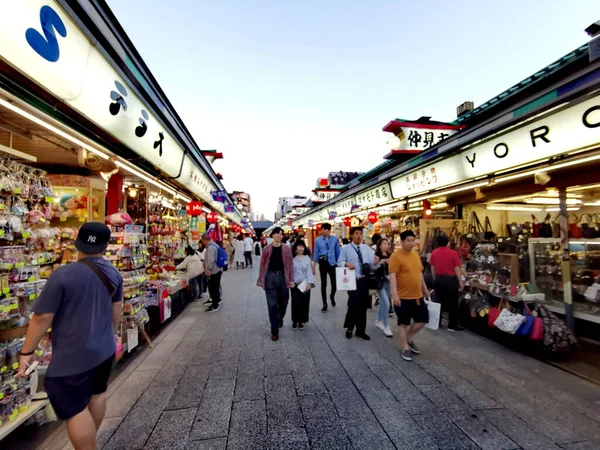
<point x="41" y="41"/>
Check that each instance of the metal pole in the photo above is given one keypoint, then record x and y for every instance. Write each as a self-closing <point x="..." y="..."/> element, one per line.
<point x="566" y="259"/>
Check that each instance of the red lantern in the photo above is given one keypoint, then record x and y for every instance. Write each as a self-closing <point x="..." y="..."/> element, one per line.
<point x="193" y="208"/>
<point x="319" y="226"/>
<point x="347" y="221"/>
<point x="213" y="217"/>
<point x="373" y="217"/>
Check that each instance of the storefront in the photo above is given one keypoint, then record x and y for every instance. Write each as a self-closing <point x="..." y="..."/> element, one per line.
<point x="81" y="139"/>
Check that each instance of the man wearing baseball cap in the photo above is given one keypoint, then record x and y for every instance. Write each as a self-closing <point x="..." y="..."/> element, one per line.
<point x="81" y="302"/>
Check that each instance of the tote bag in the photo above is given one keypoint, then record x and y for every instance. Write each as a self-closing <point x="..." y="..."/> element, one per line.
<point x="435" y="310"/>
<point x="345" y="278"/>
<point x="509" y="322"/>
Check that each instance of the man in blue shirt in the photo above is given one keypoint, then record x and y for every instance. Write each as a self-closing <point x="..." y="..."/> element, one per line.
<point x="81" y="302"/>
<point x="358" y="257"/>
<point x="327" y="252"/>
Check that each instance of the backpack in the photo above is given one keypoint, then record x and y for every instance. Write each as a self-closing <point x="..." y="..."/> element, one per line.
<point x="222" y="257"/>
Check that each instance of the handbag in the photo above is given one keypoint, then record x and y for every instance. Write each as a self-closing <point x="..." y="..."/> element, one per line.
<point x="557" y="337"/>
<point x="588" y="228"/>
<point x="495" y="313"/>
<point x="509" y="322"/>
<point x="575" y="231"/>
<point x="537" y="330"/>
<point x="527" y="327"/>
<point x="514" y="229"/>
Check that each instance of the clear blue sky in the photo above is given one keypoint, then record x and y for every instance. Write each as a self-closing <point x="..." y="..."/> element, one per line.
<point x="290" y="91"/>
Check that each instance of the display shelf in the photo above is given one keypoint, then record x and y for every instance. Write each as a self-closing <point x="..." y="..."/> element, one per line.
<point x="9" y="427"/>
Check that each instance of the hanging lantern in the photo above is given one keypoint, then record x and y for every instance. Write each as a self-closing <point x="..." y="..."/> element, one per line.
<point x="193" y="208"/>
<point x="373" y="217"/>
<point x="319" y="226"/>
<point x="347" y="221"/>
<point x="213" y="217"/>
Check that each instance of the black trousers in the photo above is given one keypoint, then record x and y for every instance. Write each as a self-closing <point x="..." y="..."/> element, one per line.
<point x="214" y="288"/>
<point x="326" y="269"/>
<point x="358" y="302"/>
<point x="278" y="296"/>
<point x="248" y="258"/>
<point x="446" y="292"/>
<point x="300" y="305"/>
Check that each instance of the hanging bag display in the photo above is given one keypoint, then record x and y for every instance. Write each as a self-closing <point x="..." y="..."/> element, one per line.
<point x="575" y="231"/>
<point x="527" y="327"/>
<point x="557" y="337"/>
<point x="537" y="330"/>
<point x="509" y="322"/>
<point x="495" y="313"/>
<point x="588" y="227"/>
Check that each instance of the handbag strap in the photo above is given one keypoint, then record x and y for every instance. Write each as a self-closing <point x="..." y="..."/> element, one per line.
<point x="101" y="275"/>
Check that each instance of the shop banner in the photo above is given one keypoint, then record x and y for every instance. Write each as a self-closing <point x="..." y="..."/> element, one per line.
<point x="323" y="194"/>
<point x="337" y="180"/>
<point x="563" y="132"/>
<point x="411" y="139"/>
<point x="375" y="196"/>
<point x="345" y="206"/>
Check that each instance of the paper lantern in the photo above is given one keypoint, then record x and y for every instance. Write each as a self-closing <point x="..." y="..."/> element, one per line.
<point x="347" y="221"/>
<point x="373" y="217"/>
<point x="213" y="217"/>
<point x="319" y="226"/>
<point x="193" y="208"/>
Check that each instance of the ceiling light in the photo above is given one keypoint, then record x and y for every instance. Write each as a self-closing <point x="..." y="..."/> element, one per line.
<point x="440" y="206"/>
<point x="572" y="208"/>
<point x="497" y="207"/>
<point x="132" y="192"/>
<point x="145" y="177"/>
<point x="206" y="210"/>
<point x="548" y="168"/>
<point x="583" y="188"/>
<point x="183" y="197"/>
<point x="551" y="201"/>
<point x="450" y="191"/>
<point x="52" y="128"/>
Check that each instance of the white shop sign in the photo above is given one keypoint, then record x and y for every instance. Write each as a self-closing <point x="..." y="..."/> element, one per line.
<point x="374" y="196"/>
<point x="40" y="40"/>
<point x="345" y="206"/>
<point x="571" y="129"/>
<point x="418" y="139"/>
<point x="324" y="195"/>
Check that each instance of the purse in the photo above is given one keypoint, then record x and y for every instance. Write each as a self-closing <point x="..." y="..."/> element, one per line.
<point x="588" y="228"/>
<point x="575" y="231"/>
<point x="495" y="313"/>
<point x="527" y="327"/>
<point x="537" y="330"/>
<point x="509" y="322"/>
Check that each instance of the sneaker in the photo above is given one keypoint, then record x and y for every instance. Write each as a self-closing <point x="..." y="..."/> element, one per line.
<point x="274" y="338"/>
<point x="207" y="302"/>
<point x="294" y="326"/>
<point x="220" y="301"/>
<point x="414" y="348"/>
<point x="301" y="326"/>
<point x="324" y="309"/>
<point x="406" y="356"/>
<point x="364" y="336"/>
<point x="388" y="332"/>
<point x="379" y="325"/>
<point x="212" y="309"/>
<point x="333" y="303"/>
<point x="454" y="328"/>
<point x="348" y="334"/>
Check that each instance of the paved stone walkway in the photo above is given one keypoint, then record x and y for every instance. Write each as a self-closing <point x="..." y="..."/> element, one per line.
<point x="216" y="382"/>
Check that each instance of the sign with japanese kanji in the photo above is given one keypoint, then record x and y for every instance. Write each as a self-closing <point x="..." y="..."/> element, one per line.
<point x="426" y="178"/>
<point x="325" y="194"/>
<point x="338" y="180"/>
<point x="379" y="194"/>
<point x="418" y="139"/>
<point x="345" y="206"/>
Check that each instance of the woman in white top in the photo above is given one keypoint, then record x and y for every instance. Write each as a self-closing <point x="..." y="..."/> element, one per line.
<point x="303" y="275"/>
<point x="240" y="259"/>
<point x="195" y="269"/>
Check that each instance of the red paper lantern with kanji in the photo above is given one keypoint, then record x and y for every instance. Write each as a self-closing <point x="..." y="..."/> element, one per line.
<point x="347" y="221"/>
<point x="193" y="208"/>
<point x="319" y="226"/>
<point x="213" y="217"/>
<point x="373" y="217"/>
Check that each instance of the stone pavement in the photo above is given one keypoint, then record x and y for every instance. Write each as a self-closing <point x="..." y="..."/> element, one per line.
<point x="216" y="382"/>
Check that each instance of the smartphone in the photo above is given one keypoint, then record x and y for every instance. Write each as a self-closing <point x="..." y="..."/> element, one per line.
<point x="31" y="367"/>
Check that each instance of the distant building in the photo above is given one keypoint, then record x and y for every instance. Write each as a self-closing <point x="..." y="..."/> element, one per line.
<point x="243" y="199"/>
<point x="287" y="204"/>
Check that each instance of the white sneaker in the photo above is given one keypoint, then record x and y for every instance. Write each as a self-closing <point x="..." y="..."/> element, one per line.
<point x="379" y="325"/>
<point x="388" y="332"/>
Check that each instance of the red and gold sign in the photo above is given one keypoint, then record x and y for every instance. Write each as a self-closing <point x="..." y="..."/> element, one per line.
<point x="193" y="208"/>
<point x="373" y="217"/>
<point x="347" y="221"/>
<point x="213" y="217"/>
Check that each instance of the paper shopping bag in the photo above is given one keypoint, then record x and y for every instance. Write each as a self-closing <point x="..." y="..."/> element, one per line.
<point x="346" y="279"/>
<point x="435" y="310"/>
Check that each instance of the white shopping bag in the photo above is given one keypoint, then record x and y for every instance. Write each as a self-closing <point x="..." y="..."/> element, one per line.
<point x="346" y="279"/>
<point x="435" y="310"/>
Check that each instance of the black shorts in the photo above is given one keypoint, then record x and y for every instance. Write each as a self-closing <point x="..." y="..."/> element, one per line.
<point x="71" y="394"/>
<point x="409" y="309"/>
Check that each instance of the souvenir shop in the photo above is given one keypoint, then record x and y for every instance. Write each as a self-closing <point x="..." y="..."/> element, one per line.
<point x="102" y="155"/>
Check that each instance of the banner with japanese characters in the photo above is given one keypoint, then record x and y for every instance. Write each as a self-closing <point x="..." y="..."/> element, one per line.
<point x="325" y="194"/>
<point x="381" y="193"/>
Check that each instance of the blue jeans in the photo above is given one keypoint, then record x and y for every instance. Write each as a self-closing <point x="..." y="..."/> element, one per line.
<point x="196" y="284"/>
<point x="384" y="303"/>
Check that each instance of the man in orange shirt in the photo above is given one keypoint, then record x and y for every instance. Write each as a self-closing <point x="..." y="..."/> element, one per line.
<point x="408" y="287"/>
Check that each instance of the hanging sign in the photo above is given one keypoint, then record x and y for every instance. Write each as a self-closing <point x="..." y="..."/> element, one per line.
<point x="416" y="136"/>
<point x="229" y="208"/>
<point x="193" y="209"/>
<point x="325" y="194"/>
<point x="332" y="215"/>
<point x="372" y="197"/>
<point x="337" y="180"/>
<point x="219" y="196"/>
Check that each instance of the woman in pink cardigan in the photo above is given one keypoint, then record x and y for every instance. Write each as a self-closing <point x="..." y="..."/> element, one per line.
<point x="276" y="277"/>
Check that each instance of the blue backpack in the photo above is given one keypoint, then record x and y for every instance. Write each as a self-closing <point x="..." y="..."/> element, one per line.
<point x="222" y="258"/>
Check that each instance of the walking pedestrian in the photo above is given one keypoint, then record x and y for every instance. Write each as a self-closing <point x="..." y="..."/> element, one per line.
<point x="275" y="277"/>
<point x="360" y="258"/>
<point x="383" y="291"/>
<point x="240" y="248"/>
<point x="257" y="247"/>
<point x="326" y="253"/>
<point x="302" y="275"/>
<point x="195" y="270"/>
<point x="408" y="287"/>
<point x="447" y="275"/>
<point x="82" y="304"/>
<point x="374" y="240"/>
<point x="230" y="247"/>
<point x="248" y="251"/>
<point x="212" y="271"/>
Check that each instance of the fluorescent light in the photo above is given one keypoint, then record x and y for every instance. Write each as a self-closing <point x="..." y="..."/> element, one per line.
<point x="52" y="128"/>
<point x="596" y="203"/>
<point x="440" y="206"/>
<point x="145" y="177"/>
<point x="548" y="168"/>
<point x="205" y="209"/>
<point x="450" y="191"/>
<point x="583" y="188"/>
<point x="183" y="197"/>
<point x="496" y="207"/>
<point x="551" y="201"/>
<point x="572" y="208"/>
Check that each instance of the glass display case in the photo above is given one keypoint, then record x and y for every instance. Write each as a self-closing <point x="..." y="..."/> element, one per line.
<point x="546" y="272"/>
<point x="79" y="200"/>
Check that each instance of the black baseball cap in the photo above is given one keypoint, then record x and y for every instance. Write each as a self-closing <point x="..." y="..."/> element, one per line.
<point x="93" y="238"/>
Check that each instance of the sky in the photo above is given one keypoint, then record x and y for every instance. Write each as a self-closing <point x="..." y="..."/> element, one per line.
<point x="290" y="91"/>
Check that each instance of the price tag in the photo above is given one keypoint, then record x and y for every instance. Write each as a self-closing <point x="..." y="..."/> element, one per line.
<point x="82" y="219"/>
<point x="41" y="260"/>
<point x="23" y="408"/>
<point x="15" y="366"/>
<point x="13" y="416"/>
<point x="26" y="235"/>
<point x="5" y="290"/>
<point x="31" y="279"/>
<point x="132" y="338"/>
<point x="1" y="233"/>
<point x="17" y="190"/>
<point x="9" y="266"/>
<point x="20" y="265"/>
<point x="4" y="369"/>
<point x="49" y="199"/>
<point x="35" y="262"/>
<point x="63" y="219"/>
<point x="32" y="296"/>
<point x="42" y="220"/>
<point x="51" y="242"/>
<point x="1" y="207"/>
<point x="107" y="253"/>
<point x="1" y="395"/>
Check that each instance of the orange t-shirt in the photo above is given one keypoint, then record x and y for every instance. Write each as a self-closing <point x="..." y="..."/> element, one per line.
<point x="407" y="268"/>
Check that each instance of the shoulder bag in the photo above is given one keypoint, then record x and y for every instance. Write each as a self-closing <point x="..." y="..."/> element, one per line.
<point x="101" y="275"/>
